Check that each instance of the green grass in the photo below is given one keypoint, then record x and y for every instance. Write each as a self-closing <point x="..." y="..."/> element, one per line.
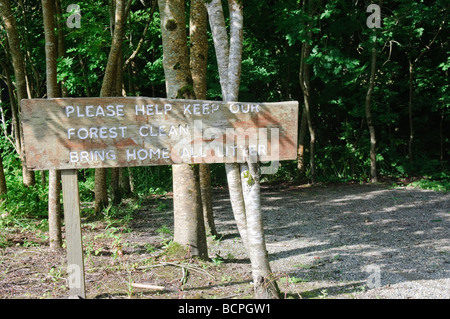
<point x="441" y="185"/>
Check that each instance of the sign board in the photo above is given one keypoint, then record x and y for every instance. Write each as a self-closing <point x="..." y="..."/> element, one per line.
<point x="74" y="133"/>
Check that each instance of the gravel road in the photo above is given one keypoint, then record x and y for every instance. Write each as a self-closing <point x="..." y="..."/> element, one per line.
<point x="352" y="241"/>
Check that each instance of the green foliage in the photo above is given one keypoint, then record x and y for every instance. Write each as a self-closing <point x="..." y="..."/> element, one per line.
<point x="273" y="36"/>
<point x="436" y="185"/>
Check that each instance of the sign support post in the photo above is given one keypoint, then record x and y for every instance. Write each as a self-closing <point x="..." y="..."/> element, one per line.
<point x="75" y="260"/>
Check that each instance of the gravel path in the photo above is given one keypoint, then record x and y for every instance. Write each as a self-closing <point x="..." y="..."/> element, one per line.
<point x="351" y="241"/>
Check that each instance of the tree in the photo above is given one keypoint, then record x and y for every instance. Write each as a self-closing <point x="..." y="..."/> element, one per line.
<point x="198" y="23"/>
<point x="3" y="185"/>
<point x="414" y="56"/>
<point x="109" y="89"/>
<point x="368" y="101"/>
<point x="304" y="75"/>
<point x="189" y="228"/>
<point x="19" y="74"/>
<point x="54" y="204"/>
<point x="243" y="179"/>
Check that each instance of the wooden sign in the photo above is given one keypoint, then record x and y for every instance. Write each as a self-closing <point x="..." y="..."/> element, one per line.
<point x="73" y="133"/>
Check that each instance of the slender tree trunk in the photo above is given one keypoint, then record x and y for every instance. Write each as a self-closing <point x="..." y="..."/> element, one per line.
<point x="442" y="138"/>
<point x="198" y="61"/>
<point x="61" y="44"/>
<point x="301" y="167"/>
<point x="373" y="159"/>
<point x="221" y="46"/>
<point x="54" y="203"/>
<point x="306" y="89"/>
<point x="189" y="227"/>
<point x="265" y="286"/>
<point x="14" y="112"/>
<point x="244" y="195"/>
<point x="3" y="186"/>
<point x="125" y="181"/>
<point x="19" y="74"/>
<point x="410" y="115"/>
<point x="117" y="193"/>
<point x="108" y="89"/>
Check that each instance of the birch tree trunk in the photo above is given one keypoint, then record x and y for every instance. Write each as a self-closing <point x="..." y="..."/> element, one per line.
<point x="243" y="179"/>
<point x="189" y="228"/>
<point x="54" y="186"/>
<point x="19" y="74"/>
<point x="221" y="46"/>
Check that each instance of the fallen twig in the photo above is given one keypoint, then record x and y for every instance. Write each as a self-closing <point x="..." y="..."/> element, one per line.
<point x="152" y="287"/>
<point x="187" y="266"/>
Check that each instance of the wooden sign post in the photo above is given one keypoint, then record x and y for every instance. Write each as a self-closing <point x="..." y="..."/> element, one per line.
<point x="74" y="133"/>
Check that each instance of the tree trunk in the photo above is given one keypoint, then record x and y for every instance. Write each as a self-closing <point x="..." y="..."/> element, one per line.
<point x="442" y="138"/>
<point x="198" y="61"/>
<point x="54" y="190"/>
<point x="221" y="46"/>
<point x="108" y="89"/>
<point x="117" y="192"/>
<point x="245" y="199"/>
<point x="61" y="45"/>
<point x="264" y="284"/>
<point x="410" y="115"/>
<point x="373" y="156"/>
<point x="306" y="89"/>
<point x="189" y="228"/>
<point x="3" y="186"/>
<point x="19" y="74"/>
<point x="301" y="167"/>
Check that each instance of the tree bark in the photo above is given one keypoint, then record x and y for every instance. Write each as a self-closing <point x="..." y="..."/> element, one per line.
<point x="304" y="76"/>
<point x="306" y="89"/>
<point x="369" y="120"/>
<point x="61" y="46"/>
<point x="264" y="284"/>
<point x="3" y="186"/>
<point x="54" y="191"/>
<point x="410" y="112"/>
<point x="301" y="167"/>
<point x="198" y="23"/>
<point x="245" y="199"/>
<point x="19" y="74"/>
<point x="189" y="228"/>
<point x="108" y="89"/>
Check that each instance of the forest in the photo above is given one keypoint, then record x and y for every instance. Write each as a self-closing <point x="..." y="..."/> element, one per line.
<point x="371" y="80"/>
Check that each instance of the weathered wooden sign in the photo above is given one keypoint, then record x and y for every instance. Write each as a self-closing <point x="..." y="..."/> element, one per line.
<point x="73" y="133"/>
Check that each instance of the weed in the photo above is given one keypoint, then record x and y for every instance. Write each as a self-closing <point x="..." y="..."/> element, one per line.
<point x="218" y="260"/>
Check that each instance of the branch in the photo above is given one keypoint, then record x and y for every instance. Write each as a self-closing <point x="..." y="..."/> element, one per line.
<point x="141" y="40"/>
<point x="432" y="41"/>
<point x="220" y="38"/>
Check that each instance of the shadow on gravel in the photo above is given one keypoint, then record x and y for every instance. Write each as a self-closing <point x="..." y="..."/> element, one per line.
<point x="351" y="232"/>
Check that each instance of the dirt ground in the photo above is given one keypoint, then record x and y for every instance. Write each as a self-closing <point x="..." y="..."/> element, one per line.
<point x="338" y="241"/>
